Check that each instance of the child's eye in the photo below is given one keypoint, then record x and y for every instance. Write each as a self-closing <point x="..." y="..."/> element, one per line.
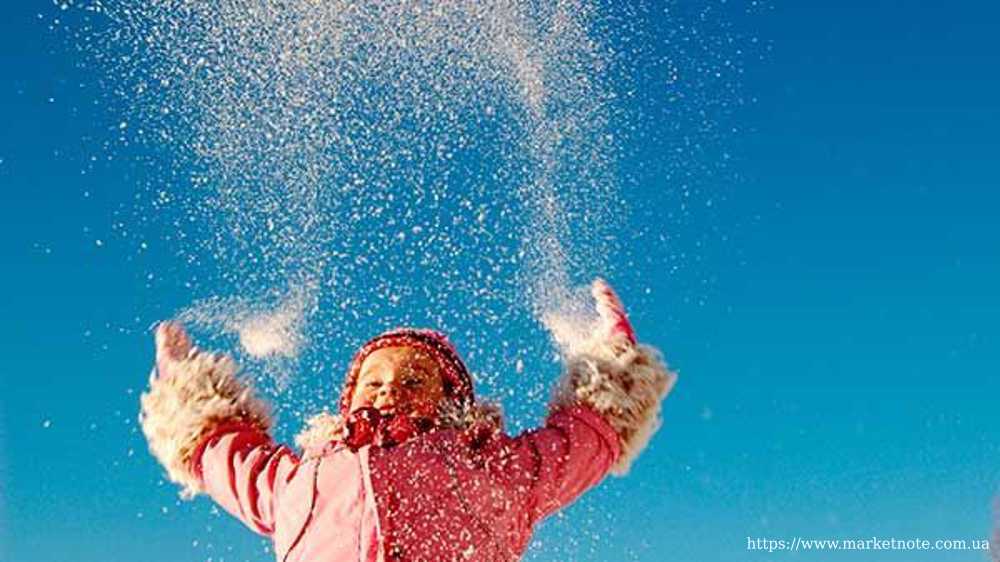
<point x="373" y="384"/>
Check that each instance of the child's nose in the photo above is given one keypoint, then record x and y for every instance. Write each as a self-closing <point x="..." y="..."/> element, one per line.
<point x="389" y="392"/>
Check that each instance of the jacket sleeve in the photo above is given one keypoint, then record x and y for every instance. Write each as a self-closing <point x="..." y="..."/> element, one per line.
<point x="569" y="455"/>
<point x="242" y="469"/>
<point x="604" y="410"/>
<point x="211" y="434"/>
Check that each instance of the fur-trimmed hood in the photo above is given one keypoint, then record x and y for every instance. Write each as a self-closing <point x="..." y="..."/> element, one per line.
<point x="324" y="428"/>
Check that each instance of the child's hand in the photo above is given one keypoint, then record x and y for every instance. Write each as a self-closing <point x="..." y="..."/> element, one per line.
<point x="172" y="345"/>
<point x="614" y="321"/>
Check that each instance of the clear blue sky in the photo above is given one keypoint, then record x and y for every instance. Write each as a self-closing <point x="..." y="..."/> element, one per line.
<point x="835" y="328"/>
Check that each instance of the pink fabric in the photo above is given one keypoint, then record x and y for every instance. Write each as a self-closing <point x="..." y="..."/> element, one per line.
<point x="432" y="498"/>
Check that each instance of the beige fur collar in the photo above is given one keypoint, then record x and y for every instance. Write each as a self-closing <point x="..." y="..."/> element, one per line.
<point x="325" y="427"/>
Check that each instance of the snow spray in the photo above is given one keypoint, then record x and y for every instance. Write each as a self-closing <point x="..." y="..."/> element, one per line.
<point x="328" y="169"/>
<point x="353" y="166"/>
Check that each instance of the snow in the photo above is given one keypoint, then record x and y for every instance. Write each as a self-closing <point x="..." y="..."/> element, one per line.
<point x="374" y="162"/>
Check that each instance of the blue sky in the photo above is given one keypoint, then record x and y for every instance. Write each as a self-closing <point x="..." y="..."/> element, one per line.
<point x="834" y="323"/>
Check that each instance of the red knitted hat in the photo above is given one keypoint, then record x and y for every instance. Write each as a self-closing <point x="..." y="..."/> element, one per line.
<point x="456" y="378"/>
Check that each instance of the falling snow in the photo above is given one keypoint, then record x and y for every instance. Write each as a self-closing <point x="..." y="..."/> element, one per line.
<point x="336" y="168"/>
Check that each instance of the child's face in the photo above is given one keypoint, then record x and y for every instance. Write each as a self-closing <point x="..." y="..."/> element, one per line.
<point x="400" y="381"/>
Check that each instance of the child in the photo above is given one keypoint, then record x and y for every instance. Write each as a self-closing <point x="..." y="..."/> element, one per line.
<point x="414" y="467"/>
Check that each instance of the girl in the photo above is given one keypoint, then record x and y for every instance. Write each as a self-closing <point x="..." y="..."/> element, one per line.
<point x="414" y="467"/>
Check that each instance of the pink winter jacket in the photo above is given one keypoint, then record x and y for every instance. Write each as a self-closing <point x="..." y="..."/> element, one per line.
<point x="433" y="498"/>
<point x="446" y="495"/>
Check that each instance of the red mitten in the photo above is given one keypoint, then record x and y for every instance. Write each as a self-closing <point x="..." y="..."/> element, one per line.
<point x="614" y="320"/>
<point x="172" y="345"/>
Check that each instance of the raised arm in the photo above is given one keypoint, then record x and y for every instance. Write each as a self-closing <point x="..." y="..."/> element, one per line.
<point x="605" y="408"/>
<point x="210" y="432"/>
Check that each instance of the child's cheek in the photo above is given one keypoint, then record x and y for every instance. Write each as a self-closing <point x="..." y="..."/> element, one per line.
<point x="362" y="399"/>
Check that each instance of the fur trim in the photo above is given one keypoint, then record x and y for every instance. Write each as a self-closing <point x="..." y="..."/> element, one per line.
<point x="196" y="395"/>
<point x="623" y="383"/>
<point x="320" y="430"/>
<point x="325" y="427"/>
<point x="455" y="414"/>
